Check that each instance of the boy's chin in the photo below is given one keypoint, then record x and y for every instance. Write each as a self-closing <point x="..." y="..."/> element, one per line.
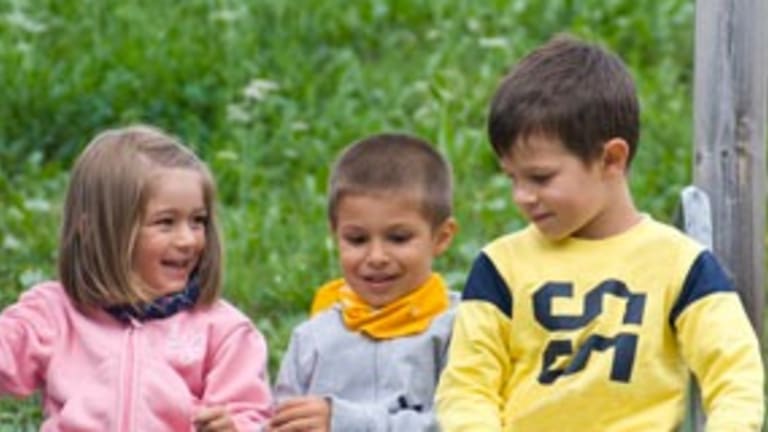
<point x="553" y="236"/>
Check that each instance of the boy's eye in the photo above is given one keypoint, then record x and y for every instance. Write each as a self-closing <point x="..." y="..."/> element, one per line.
<point x="399" y="237"/>
<point x="541" y="178"/>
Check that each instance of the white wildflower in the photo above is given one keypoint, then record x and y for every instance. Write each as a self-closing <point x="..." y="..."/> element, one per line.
<point x="493" y="42"/>
<point x="473" y="25"/>
<point x="37" y="205"/>
<point x="228" y="15"/>
<point x="258" y="89"/>
<point x="24" y="22"/>
<point x="299" y="126"/>
<point x="11" y="243"/>
<point x="433" y="34"/>
<point x="237" y="114"/>
<point x="31" y="277"/>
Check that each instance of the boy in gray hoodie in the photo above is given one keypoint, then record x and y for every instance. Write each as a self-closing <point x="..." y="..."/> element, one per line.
<point x="370" y="356"/>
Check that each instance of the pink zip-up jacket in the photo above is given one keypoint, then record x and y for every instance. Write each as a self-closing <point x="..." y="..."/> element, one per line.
<point x="98" y="374"/>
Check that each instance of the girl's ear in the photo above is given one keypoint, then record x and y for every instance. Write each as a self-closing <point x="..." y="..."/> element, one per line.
<point x="443" y="235"/>
<point x="615" y="156"/>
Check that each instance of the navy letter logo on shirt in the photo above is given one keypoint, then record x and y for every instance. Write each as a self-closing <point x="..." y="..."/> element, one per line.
<point x="624" y="344"/>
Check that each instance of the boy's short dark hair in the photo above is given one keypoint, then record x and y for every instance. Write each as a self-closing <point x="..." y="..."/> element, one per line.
<point x="570" y="90"/>
<point x="393" y="162"/>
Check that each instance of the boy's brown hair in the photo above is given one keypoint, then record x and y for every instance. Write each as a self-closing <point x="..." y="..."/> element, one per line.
<point x="570" y="90"/>
<point x="393" y="162"/>
<point x="108" y="192"/>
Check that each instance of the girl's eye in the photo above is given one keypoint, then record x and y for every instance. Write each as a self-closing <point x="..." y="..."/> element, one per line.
<point x="201" y="220"/>
<point x="164" y="221"/>
<point x="355" y="239"/>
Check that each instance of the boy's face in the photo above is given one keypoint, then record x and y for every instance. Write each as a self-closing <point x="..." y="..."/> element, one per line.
<point x="557" y="191"/>
<point x="386" y="244"/>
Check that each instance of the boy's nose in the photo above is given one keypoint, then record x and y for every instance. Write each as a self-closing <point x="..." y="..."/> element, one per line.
<point x="523" y="196"/>
<point x="377" y="255"/>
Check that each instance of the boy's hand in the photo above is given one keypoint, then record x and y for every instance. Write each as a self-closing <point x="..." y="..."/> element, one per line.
<point x="214" y="419"/>
<point x="309" y="413"/>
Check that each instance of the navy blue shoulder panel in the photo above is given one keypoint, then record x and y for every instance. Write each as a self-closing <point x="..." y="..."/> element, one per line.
<point x="705" y="277"/>
<point x="485" y="283"/>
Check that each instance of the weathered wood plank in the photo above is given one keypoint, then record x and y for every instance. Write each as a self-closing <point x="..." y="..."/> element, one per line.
<point x="730" y="81"/>
<point x="729" y="119"/>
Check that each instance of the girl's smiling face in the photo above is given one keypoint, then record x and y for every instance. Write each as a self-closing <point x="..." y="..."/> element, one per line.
<point x="172" y="231"/>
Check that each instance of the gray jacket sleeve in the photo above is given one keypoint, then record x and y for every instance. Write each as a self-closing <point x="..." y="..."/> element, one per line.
<point x="296" y="368"/>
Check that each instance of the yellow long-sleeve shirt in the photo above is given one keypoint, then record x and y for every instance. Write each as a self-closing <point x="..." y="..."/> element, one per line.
<point x="599" y="335"/>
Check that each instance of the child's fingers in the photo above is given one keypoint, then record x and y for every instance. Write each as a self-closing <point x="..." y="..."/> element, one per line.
<point x="301" y="414"/>
<point x="203" y="416"/>
<point x="221" y="424"/>
<point x="303" y="402"/>
<point x="286" y="413"/>
<point x="209" y="413"/>
<point x="293" y="402"/>
<point x="293" y="406"/>
<point x="213" y="419"/>
<point x="299" y="425"/>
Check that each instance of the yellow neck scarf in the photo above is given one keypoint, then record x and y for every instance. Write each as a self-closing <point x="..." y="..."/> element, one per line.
<point x="408" y="315"/>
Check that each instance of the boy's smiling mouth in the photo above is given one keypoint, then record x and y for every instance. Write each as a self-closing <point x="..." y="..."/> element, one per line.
<point x="379" y="282"/>
<point x="379" y="278"/>
<point x="539" y="217"/>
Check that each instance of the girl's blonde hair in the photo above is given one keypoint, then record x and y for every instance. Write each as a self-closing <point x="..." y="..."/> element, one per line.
<point x="104" y="206"/>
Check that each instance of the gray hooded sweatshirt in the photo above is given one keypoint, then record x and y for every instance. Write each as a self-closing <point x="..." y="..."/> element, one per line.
<point x="373" y="385"/>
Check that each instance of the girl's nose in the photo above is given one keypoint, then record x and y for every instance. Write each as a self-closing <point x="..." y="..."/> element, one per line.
<point x="185" y="235"/>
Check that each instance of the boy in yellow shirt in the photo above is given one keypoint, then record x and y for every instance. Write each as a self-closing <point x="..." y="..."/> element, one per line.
<point x="592" y="317"/>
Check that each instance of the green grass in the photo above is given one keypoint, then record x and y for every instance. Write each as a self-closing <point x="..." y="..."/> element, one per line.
<point x="337" y="71"/>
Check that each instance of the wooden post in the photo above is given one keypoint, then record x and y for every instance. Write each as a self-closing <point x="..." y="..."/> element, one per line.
<point x="729" y="128"/>
<point x="730" y="83"/>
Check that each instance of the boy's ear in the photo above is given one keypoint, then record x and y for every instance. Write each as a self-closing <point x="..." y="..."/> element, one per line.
<point x="444" y="235"/>
<point x="615" y="156"/>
